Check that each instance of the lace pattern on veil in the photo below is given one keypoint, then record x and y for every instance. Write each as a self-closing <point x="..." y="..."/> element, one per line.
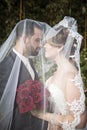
<point x="77" y="106"/>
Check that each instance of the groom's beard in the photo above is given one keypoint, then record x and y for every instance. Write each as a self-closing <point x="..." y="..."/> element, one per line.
<point x="31" y="51"/>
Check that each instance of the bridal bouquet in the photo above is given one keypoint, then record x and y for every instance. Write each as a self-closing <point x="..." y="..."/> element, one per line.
<point x="32" y="95"/>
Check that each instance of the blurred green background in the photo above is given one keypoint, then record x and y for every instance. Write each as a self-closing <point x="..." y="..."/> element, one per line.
<point x="49" y="11"/>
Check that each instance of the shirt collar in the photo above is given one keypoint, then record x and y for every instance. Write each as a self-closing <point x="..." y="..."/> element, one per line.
<point x="23" y="58"/>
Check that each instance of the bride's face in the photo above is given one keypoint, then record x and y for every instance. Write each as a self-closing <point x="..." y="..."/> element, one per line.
<point x="50" y="50"/>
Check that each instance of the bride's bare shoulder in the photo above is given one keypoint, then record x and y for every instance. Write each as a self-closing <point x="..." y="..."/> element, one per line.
<point x="72" y="91"/>
<point x="70" y="75"/>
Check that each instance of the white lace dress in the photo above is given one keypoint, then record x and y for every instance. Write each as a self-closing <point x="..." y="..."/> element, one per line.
<point x="59" y="104"/>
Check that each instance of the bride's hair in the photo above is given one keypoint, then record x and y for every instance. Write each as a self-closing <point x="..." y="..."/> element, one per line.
<point x="61" y="38"/>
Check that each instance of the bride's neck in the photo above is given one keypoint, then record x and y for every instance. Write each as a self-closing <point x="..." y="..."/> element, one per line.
<point x="64" y="65"/>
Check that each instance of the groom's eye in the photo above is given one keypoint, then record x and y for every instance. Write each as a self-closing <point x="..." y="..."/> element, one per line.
<point x="38" y="40"/>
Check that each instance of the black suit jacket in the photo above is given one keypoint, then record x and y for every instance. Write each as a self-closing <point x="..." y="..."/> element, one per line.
<point x="20" y="121"/>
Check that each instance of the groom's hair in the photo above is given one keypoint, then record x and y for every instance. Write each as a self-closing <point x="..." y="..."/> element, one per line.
<point x="27" y="27"/>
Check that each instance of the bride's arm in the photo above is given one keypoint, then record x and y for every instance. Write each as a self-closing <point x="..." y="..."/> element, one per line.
<point x="59" y="119"/>
<point x="51" y="117"/>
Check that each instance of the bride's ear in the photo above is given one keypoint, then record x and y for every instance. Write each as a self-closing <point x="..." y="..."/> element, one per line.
<point x="61" y="48"/>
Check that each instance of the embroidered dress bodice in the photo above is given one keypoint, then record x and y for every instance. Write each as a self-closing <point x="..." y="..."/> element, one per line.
<point x="59" y="105"/>
<point x="57" y="99"/>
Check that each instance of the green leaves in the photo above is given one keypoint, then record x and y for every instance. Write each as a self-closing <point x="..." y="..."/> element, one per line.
<point x="83" y="64"/>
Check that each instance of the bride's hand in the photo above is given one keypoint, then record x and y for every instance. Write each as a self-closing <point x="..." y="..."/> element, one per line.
<point x="38" y="114"/>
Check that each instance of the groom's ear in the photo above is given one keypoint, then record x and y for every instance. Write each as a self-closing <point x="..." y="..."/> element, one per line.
<point x="25" y="39"/>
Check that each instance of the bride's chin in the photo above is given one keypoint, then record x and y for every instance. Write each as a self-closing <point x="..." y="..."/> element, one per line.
<point x="47" y="56"/>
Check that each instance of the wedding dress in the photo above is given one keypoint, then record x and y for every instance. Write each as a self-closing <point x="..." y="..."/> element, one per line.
<point x="59" y="105"/>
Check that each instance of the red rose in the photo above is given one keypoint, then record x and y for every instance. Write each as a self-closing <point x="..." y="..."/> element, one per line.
<point x="23" y="93"/>
<point x="26" y="105"/>
<point x="20" y="87"/>
<point x="37" y="94"/>
<point x="42" y="104"/>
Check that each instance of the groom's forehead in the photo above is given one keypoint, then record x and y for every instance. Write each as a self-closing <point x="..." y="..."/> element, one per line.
<point x="38" y="35"/>
<point x="38" y="31"/>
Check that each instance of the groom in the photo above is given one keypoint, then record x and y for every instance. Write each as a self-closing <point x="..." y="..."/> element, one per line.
<point x="26" y="45"/>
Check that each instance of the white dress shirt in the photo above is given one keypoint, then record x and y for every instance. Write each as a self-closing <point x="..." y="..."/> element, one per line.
<point x="26" y="63"/>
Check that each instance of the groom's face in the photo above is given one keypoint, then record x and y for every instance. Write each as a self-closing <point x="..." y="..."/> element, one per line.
<point x="34" y="42"/>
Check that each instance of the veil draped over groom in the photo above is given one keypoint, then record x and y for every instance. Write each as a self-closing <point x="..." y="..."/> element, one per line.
<point x="16" y="67"/>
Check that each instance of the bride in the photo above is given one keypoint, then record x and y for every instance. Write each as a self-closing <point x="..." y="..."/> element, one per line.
<point x="67" y="99"/>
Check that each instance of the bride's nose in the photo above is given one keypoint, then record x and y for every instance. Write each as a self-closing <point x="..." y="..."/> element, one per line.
<point x="45" y="44"/>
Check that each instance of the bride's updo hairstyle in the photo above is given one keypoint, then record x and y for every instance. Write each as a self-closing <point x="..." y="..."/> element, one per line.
<point x="61" y="37"/>
<point x="60" y="40"/>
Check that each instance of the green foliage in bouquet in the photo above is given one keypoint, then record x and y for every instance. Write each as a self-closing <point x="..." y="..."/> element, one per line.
<point x="83" y="64"/>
